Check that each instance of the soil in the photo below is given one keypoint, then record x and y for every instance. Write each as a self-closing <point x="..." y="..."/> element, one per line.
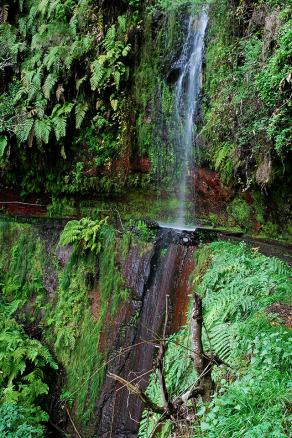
<point x="283" y="311"/>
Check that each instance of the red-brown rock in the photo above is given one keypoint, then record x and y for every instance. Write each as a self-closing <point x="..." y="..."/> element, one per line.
<point x="209" y="190"/>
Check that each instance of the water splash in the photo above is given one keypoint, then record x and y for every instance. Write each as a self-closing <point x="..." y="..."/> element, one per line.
<point x="187" y="99"/>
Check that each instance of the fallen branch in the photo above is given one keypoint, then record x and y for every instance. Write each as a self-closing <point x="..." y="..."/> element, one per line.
<point x="161" y="353"/>
<point x="72" y="422"/>
<point x="135" y="390"/>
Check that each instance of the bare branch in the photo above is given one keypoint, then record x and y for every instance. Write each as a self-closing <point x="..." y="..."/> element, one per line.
<point x="135" y="390"/>
<point x="163" y="388"/>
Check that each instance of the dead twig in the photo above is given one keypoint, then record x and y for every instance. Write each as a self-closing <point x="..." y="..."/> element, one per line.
<point x="72" y="422"/>
<point x="135" y="390"/>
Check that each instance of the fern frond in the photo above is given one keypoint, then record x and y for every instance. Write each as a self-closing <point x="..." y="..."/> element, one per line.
<point x="222" y="340"/>
<point x="23" y="129"/>
<point x="80" y="81"/>
<point x="109" y="39"/>
<point x="59" y="125"/>
<point x="122" y="21"/>
<point x="42" y="130"/>
<point x="126" y="50"/>
<point x="98" y="71"/>
<point x="117" y="78"/>
<point x="49" y="83"/>
<point x="59" y="92"/>
<point x="4" y="13"/>
<point x="80" y="112"/>
<point x="43" y="7"/>
<point x="3" y="144"/>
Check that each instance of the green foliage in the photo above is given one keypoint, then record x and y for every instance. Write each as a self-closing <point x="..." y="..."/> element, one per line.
<point x="22" y="263"/>
<point x="225" y="161"/>
<point x="241" y="212"/>
<point x="25" y="363"/>
<point x="178" y="368"/>
<point x="51" y="56"/>
<point x="237" y="285"/>
<point x="247" y="90"/>
<point x="3" y="144"/>
<point x="75" y="331"/>
<point x="154" y="97"/>
<point x="17" y="422"/>
<point x="22" y="362"/>
<point x="171" y="5"/>
<point x="109" y="66"/>
<point x="86" y="231"/>
<point x="144" y="233"/>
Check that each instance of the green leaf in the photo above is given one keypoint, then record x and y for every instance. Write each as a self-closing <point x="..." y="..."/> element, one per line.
<point x="3" y="144"/>
<point x="22" y="130"/>
<point x="80" y="112"/>
<point x="42" y="130"/>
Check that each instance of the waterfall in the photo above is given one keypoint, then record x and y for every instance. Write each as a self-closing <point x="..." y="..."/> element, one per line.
<point x="187" y="99"/>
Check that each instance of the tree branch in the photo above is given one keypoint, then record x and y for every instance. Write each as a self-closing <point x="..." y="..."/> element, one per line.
<point x="135" y="390"/>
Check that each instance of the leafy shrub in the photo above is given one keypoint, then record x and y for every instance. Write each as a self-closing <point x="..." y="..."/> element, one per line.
<point x="236" y="284"/>
<point x="17" y="422"/>
<point x="241" y="212"/>
<point x="86" y="232"/>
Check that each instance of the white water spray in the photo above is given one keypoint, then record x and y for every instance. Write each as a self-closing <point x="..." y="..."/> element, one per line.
<point x="187" y="96"/>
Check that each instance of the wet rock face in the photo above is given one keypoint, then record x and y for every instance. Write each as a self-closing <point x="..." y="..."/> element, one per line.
<point x="141" y="165"/>
<point x="211" y="193"/>
<point x="132" y="337"/>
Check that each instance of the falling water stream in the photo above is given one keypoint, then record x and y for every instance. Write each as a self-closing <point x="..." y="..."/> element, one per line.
<point x="187" y="99"/>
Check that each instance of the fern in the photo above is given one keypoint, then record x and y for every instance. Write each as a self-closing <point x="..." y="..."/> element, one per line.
<point x="98" y="72"/>
<point x="80" y="81"/>
<point x="222" y="337"/>
<point x="126" y="50"/>
<point x="42" y="130"/>
<point x="80" y="112"/>
<point x="53" y="58"/>
<point x="59" y="92"/>
<point x="23" y="129"/>
<point x="109" y="39"/>
<point x="49" y="84"/>
<point x="225" y="160"/>
<point x="4" y="13"/>
<point x="3" y="144"/>
<point x="122" y="21"/>
<point x="85" y="232"/>
<point x="17" y="354"/>
<point x="43" y="7"/>
<point x="59" y="124"/>
<point x="59" y="118"/>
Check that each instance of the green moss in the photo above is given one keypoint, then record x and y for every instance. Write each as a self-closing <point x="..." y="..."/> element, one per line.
<point x="75" y="331"/>
<point x="22" y="263"/>
<point x="62" y="207"/>
<point x="241" y="212"/>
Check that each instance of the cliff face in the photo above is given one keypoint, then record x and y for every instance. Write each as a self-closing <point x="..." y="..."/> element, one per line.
<point x="245" y="131"/>
<point x="97" y="313"/>
<point x="88" y="96"/>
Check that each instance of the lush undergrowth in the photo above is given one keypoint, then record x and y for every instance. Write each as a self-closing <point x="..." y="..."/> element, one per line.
<point x="63" y="102"/>
<point x="25" y="361"/>
<point x="56" y="301"/>
<point x="247" y="89"/>
<point x="246" y="130"/>
<point x="78" y="79"/>
<point x="238" y="287"/>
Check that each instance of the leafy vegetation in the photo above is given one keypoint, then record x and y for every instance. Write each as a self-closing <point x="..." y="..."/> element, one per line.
<point x="238" y="286"/>
<point x="70" y="327"/>
<point x="25" y="362"/>
<point x="73" y="60"/>
<point x="247" y="91"/>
